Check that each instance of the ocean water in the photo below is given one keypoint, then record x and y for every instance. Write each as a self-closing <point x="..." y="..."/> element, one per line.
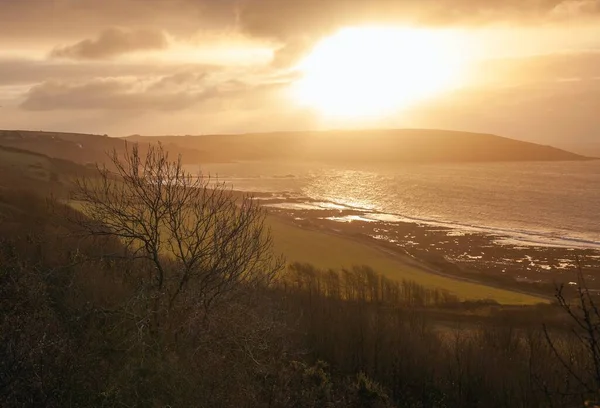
<point x="555" y="203"/>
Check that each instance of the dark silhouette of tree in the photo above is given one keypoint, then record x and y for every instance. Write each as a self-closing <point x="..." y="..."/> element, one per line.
<point x="197" y="242"/>
<point x="579" y="351"/>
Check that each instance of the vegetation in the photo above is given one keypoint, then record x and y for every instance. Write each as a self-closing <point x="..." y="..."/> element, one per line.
<point x="329" y="251"/>
<point x="88" y="318"/>
<point x="21" y="169"/>
<point x="202" y="243"/>
<point x="77" y="148"/>
<point x="342" y="146"/>
<point x="381" y="146"/>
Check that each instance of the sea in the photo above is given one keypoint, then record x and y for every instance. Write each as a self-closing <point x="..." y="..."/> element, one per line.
<point x="531" y="203"/>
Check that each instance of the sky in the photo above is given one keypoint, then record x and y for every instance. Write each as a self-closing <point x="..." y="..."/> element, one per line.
<point x="530" y="69"/>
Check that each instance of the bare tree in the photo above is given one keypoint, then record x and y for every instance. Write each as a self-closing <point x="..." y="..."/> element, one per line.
<point x="579" y="352"/>
<point x="199" y="241"/>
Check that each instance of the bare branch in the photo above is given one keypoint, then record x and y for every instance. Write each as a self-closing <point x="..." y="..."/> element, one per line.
<point x="203" y="241"/>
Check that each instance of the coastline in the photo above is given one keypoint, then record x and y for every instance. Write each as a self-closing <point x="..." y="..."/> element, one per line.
<point x="407" y="259"/>
<point x="326" y="249"/>
<point x="503" y="235"/>
<point x="469" y="255"/>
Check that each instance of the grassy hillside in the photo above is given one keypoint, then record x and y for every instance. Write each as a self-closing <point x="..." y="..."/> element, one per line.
<point x="81" y="329"/>
<point x="77" y="147"/>
<point x="328" y="251"/>
<point x="25" y="170"/>
<point x="367" y="146"/>
<point x="87" y="323"/>
<point x="360" y="146"/>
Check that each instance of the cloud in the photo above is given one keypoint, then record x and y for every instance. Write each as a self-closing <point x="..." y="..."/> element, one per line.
<point x="576" y="8"/>
<point x="67" y="19"/>
<point x="84" y="78"/>
<point x="281" y="19"/>
<point x="106" y="94"/>
<point x="287" y="19"/>
<point x="179" y="91"/>
<point x="41" y="23"/>
<point x="291" y="52"/>
<point x="537" y="111"/>
<point x="541" y="68"/>
<point x="16" y="71"/>
<point x="183" y="80"/>
<point x="113" y="42"/>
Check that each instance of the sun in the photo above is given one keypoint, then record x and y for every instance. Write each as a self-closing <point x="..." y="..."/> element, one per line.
<point x="376" y="71"/>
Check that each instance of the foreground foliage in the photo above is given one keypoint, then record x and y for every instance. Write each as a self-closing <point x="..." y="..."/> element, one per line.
<point x="77" y="329"/>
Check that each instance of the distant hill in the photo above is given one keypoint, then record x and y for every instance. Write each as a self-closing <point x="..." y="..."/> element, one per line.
<point x="367" y="146"/>
<point x="359" y="146"/>
<point x="76" y="147"/>
<point x="585" y="148"/>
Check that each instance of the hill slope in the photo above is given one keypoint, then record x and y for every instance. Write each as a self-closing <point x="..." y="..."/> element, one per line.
<point x="25" y="175"/>
<point x="366" y="146"/>
<point x="25" y="170"/>
<point x="77" y="147"/>
<point x="359" y="146"/>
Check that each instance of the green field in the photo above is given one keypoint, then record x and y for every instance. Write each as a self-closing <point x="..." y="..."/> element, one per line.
<point x="330" y="251"/>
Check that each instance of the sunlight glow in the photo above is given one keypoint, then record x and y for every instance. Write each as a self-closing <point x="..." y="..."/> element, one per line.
<point x="375" y="71"/>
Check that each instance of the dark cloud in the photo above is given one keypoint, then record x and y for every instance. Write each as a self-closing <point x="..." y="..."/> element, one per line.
<point x="113" y="42"/>
<point x="26" y="72"/>
<point x="66" y="19"/>
<point x="290" y="19"/>
<point x="281" y="19"/>
<point x="287" y="19"/>
<point x="179" y="91"/>
<point x="576" y="8"/>
<point x="105" y="94"/>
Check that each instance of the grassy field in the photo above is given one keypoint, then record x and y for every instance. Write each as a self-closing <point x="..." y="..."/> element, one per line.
<point x="330" y="251"/>
<point x="24" y="168"/>
<point x="28" y="165"/>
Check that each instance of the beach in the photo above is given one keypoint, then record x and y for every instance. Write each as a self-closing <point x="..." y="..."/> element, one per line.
<point x="469" y="256"/>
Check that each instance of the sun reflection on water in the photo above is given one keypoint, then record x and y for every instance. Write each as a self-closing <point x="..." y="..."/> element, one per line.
<point x="351" y="188"/>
